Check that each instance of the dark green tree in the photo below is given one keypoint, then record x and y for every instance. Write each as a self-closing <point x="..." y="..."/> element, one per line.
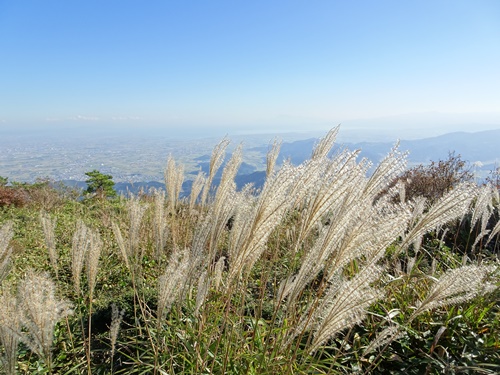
<point x="100" y="185"/>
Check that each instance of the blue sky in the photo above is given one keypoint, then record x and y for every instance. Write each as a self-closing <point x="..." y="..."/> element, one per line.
<point x="247" y="65"/>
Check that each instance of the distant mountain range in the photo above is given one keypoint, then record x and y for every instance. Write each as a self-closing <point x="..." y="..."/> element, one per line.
<point x="472" y="147"/>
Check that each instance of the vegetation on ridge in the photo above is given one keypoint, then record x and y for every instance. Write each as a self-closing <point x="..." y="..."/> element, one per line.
<point x="324" y="270"/>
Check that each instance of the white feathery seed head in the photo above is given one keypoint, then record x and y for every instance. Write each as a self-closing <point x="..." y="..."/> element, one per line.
<point x="39" y="310"/>
<point x="216" y="161"/>
<point x="10" y="327"/>
<point x="272" y="156"/>
<point x="80" y="245"/>
<point x="344" y="306"/>
<point x="93" y="255"/>
<point x="174" y="177"/>
<point x="171" y="282"/>
<point x="196" y="188"/>
<point x="121" y="243"/>
<point x="116" y="320"/>
<point x="453" y="205"/>
<point x="202" y="290"/>
<point x="456" y="286"/>
<point x="48" y="226"/>
<point x="6" y="234"/>
<point x="218" y="270"/>
<point x="325" y="144"/>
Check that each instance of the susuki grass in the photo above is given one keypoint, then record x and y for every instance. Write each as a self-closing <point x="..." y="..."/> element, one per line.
<point x="325" y="269"/>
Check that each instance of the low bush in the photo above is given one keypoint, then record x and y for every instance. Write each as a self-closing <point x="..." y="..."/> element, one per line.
<point x="10" y="196"/>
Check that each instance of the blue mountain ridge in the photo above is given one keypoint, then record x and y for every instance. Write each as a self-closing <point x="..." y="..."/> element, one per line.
<point x="472" y="147"/>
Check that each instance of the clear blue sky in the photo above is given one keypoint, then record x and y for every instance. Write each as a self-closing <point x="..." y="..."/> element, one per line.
<point x="246" y="64"/>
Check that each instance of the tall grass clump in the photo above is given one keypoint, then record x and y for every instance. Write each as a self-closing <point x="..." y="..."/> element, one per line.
<point x="30" y="317"/>
<point x="10" y="326"/>
<point x="331" y="267"/>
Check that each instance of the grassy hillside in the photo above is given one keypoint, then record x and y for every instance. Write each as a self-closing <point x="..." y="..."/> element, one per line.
<point x="324" y="270"/>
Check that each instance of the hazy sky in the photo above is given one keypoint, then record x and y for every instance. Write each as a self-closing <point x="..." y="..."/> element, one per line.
<point x="247" y="64"/>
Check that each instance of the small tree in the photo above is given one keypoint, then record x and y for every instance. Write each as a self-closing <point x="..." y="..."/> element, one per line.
<point x="99" y="184"/>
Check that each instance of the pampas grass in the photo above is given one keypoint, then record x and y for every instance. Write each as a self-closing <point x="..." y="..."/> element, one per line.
<point x="174" y="177"/>
<point x="130" y="250"/>
<point x="78" y="251"/>
<point x="215" y="163"/>
<point x="6" y="233"/>
<point x="49" y="225"/>
<point x="344" y="305"/>
<point x="10" y="326"/>
<point x="301" y="276"/>
<point x="457" y="286"/>
<point x="39" y="310"/>
<point x="172" y="282"/>
<point x="160" y="228"/>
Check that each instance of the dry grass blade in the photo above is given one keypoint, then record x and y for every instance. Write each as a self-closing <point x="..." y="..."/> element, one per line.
<point x="136" y="212"/>
<point x="121" y="243"/>
<point x="49" y="226"/>
<point x="202" y="290"/>
<point x="116" y="320"/>
<point x="6" y="234"/>
<point x="453" y="205"/>
<point x="78" y="251"/>
<point x="254" y="223"/>
<point x="196" y="188"/>
<point x="174" y="177"/>
<point x="171" y="283"/>
<point x="131" y="251"/>
<point x="93" y="255"/>
<point x="218" y="269"/>
<point x="211" y="228"/>
<point x="482" y="210"/>
<point x="483" y="205"/>
<point x="272" y="156"/>
<point x="10" y="325"/>
<point x="343" y="305"/>
<point x="160" y="229"/>
<point x="325" y="144"/>
<point x="495" y="231"/>
<point x="457" y="286"/>
<point x="216" y="161"/>
<point x="360" y="229"/>
<point x="39" y="310"/>
<point x="383" y="338"/>
<point x="332" y="181"/>
<point x="393" y="165"/>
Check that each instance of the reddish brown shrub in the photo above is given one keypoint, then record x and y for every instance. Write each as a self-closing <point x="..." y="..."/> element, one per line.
<point x="13" y="196"/>
<point x="436" y="179"/>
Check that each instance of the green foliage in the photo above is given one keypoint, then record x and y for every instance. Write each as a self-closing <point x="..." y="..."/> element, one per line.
<point x="99" y="184"/>
<point x="156" y="250"/>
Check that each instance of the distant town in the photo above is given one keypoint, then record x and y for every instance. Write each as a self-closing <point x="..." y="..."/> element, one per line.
<point x="132" y="159"/>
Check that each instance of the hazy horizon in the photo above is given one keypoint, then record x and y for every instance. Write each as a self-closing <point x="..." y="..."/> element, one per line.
<point x="410" y="126"/>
